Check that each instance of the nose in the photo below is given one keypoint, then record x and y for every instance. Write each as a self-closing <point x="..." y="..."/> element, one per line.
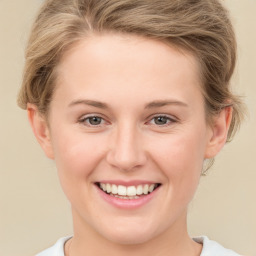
<point x="126" y="150"/>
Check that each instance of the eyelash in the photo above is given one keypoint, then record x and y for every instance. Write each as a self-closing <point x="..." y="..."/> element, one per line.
<point x="170" y="120"/>
<point x="86" y="119"/>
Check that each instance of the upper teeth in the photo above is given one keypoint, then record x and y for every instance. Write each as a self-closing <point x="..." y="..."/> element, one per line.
<point x="127" y="191"/>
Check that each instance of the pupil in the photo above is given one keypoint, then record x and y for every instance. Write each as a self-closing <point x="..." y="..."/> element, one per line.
<point x="161" y="120"/>
<point x="95" y="120"/>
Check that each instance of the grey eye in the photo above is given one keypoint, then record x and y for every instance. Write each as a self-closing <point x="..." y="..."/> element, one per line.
<point x="161" y="120"/>
<point x="94" y="120"/>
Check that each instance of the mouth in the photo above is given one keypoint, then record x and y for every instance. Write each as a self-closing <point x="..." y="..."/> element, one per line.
<point x="127" y="192"/>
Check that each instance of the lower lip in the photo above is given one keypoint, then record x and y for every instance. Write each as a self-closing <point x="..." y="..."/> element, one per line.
<point x="127" y="203"/>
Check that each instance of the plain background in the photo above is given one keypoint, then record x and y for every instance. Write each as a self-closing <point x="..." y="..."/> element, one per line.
<point x="33" y="210"/>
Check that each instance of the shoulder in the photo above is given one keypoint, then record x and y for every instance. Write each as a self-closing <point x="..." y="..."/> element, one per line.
<point x="56" y="250"/>
<point x="212" y="248"/>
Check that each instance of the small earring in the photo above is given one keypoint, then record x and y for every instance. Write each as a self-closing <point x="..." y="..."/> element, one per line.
<point x="207" y="164"/>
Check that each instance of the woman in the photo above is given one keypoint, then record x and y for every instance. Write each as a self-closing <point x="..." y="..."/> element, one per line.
<point x="131" y="98"/>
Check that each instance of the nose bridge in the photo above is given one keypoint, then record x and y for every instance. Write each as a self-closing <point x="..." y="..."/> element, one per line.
<point x="127" y="150"/>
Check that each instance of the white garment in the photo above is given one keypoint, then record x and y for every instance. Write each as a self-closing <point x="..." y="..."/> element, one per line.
<point x="210" y="248"/>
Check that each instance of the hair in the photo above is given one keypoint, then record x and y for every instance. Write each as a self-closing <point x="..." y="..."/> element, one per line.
<point x="201" y="27"/>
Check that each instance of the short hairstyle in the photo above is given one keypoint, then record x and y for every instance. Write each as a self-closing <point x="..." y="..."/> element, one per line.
<point x="201" y="27"/>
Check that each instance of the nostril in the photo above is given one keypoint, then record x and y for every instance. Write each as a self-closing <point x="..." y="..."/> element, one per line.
<point x="126" y="163"/>
<point x="126" y="154"/>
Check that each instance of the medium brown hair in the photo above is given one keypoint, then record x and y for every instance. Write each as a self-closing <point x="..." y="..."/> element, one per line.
<point x="201" y="27"/>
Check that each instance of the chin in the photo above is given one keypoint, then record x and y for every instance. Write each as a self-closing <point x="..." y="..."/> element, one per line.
<point x="130" y="234"/>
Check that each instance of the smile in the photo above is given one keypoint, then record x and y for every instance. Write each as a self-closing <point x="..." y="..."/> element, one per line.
<point x="127" y="192"/>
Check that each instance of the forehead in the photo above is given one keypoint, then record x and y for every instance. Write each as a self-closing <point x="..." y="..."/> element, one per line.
<point x="125" y="47"/>
<point x="110" y="63"/>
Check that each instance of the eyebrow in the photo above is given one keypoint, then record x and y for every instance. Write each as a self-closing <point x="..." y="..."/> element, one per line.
<point x="102" y="105"/>
<point x="163" y="103"/>
<point x="93" y="103"/>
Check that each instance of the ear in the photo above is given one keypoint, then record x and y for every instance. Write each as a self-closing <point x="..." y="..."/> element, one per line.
<point x="40" y="128"/>
<point x="219" y="131"/>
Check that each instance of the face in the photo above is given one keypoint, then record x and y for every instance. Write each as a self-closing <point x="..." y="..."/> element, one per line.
<point x="128" y="117"/>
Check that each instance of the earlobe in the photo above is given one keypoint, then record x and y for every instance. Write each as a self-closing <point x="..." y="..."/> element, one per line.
<point x="219" y="132"/>
<point x="41" y="129"/>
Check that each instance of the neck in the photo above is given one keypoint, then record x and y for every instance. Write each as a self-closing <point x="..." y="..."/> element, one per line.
<point x="173" y="241"/>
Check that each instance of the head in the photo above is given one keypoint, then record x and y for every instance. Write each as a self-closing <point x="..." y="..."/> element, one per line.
<point x="202" y="28"/>
<point x="194" y="38"/>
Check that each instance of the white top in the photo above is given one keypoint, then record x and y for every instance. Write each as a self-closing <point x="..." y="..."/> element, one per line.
<point x="210" y="248"/>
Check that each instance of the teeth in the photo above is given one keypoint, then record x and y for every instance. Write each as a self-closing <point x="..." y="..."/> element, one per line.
<point x="139" y="190"/>
<point x="121" y="190"/>
<point x="126" y="197"/>
<point x="114" y="189"/>
<point x="108" y="188"/>
<point x="145" y="189"/>
<point x="130" y="192"/>
<point x="103" y="186"/>
<point x="151" y="188"/>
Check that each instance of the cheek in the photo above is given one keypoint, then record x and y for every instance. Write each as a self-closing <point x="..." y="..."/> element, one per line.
<point x="77" y="155"/>
<point x="180" y="153"/>
<point x="180" y="158"/>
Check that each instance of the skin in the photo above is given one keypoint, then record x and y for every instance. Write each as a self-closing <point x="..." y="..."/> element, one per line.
<point x="127" y="81"/>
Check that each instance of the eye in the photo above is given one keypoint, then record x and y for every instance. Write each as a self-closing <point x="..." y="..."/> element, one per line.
<point x="92" y="120"/>
<point x="162" y="120"/>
